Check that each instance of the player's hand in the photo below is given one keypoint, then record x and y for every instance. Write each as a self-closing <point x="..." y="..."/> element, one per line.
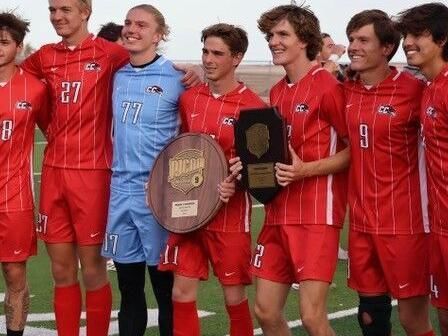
<point x="338" y="49"/>
<point x="331" y="67"/>
<point x="227" y="188"/>
<point x="286" y="174"/>
<point x="235" y="167"/>
<point x="193" y="74"/>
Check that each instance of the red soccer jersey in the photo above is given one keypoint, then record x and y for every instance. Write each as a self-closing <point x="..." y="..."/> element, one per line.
<point x="385" y="174"/>
<point x="202" y="112"/>
<point x="314" y="111"/>
<point x="24" y="100"/>
<point x="80" y="84"/>
<point x="434" y="117"/>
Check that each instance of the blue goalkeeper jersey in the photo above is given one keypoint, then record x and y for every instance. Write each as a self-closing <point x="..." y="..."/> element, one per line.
<point x="145" y="111"/>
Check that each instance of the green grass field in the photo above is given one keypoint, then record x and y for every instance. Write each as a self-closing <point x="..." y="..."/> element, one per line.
<point x="41" y="321"/>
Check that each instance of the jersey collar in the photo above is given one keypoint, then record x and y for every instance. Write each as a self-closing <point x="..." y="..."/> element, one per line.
<point x="87" y="42"/>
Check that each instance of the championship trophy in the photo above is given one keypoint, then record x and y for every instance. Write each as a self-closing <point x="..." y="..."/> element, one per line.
<point x="261" y="140"/>
<point x="182" y="191"/>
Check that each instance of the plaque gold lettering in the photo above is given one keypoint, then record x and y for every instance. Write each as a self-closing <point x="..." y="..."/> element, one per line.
<point x="186" y="170"/>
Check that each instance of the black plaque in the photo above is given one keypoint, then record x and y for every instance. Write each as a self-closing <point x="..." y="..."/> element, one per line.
<point x="261" y="140"/>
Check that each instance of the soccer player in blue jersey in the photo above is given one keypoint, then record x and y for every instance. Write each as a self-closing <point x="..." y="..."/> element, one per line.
<point x="145" y="111"/>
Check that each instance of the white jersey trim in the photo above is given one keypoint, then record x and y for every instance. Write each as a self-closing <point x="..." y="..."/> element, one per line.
<point x="423" y="185"/>
<point x="330" y="195"/>
<point x="397" y="75"/>
<point x="246" y="213"/>
<point x="316" y="71"/>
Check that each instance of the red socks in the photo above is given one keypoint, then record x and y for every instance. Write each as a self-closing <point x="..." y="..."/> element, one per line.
<point x="98" y="309"/>
<point x="67" y="309"/>
<point x="185" y="319"/>
<point x="240" y="319"/>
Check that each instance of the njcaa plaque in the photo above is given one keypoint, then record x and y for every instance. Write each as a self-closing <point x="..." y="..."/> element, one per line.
<point x="261" y="140"/>
<point x="182" y="191"/>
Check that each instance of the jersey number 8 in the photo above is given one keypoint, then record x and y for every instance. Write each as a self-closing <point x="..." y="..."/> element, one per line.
<point x="6" y="130"/>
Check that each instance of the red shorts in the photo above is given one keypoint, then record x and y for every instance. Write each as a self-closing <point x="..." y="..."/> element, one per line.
<point x="438" y="260"/>
<point x="228" y="252"/>
<point x="394" y="264"/>
<point x="17" y="236"/>
<point x="294" y="253"/>
<point x="73" y="205"/>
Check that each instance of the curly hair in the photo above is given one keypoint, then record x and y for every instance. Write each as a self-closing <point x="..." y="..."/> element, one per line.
<point x="302" y="19"/>
<point x="14" y="25"/>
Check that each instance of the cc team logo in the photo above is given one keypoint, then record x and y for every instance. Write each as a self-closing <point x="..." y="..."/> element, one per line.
<point x="302" y="108"/>
<point x="229" y="121"/>
<point x="431" y="112"/>
<point x="92" y="66"/>
<point x="154" y="89"/>
<point x="23" y="105"/>
<point x="387" y="110"/>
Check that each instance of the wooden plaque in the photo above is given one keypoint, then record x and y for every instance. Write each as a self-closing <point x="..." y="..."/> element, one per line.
<point x="261" y="140"/>
<point x="183" y="184"/>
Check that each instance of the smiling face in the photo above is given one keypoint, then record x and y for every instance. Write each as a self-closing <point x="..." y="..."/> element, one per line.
<point x="217" y="59"/>
<point x="68" y="17"/>
<point x="285" y="46"/>
<point x="141" y="33"/>
<point x="421" y="50"/>
<point x="365" y="50"/>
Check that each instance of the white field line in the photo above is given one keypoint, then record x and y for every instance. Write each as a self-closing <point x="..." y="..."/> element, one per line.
<point x="152" y="321"/>
<point x="113" y="327"/>
<point x="31" y="331"/>
<point x="331" y="316"/>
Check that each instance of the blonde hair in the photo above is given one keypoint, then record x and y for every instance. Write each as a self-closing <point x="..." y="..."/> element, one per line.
<point x="86" y="4"/>
<point x="164" y="29"/>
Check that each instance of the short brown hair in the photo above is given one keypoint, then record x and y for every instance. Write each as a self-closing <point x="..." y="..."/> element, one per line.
<point x="14" y="25"/>
<point x="431" y="18"/>
<point x="383" y="27"/>
<point x="302" y="19"/>
<point x="234" y="37"/>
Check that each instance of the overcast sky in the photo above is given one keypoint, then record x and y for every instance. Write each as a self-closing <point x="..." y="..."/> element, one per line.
<point x="188" y="17"/>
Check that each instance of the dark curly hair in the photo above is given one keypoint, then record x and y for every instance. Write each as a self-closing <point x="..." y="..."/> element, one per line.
<point x="14" y="25"/>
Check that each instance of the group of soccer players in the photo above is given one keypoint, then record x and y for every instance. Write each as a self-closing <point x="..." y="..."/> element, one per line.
<point x="362" y="142"/>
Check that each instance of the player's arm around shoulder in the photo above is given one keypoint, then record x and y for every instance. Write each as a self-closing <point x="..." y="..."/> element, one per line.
<point x="33" y="63"/>
<point x="193" y="74"/>
<point x="118" y="54"/>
